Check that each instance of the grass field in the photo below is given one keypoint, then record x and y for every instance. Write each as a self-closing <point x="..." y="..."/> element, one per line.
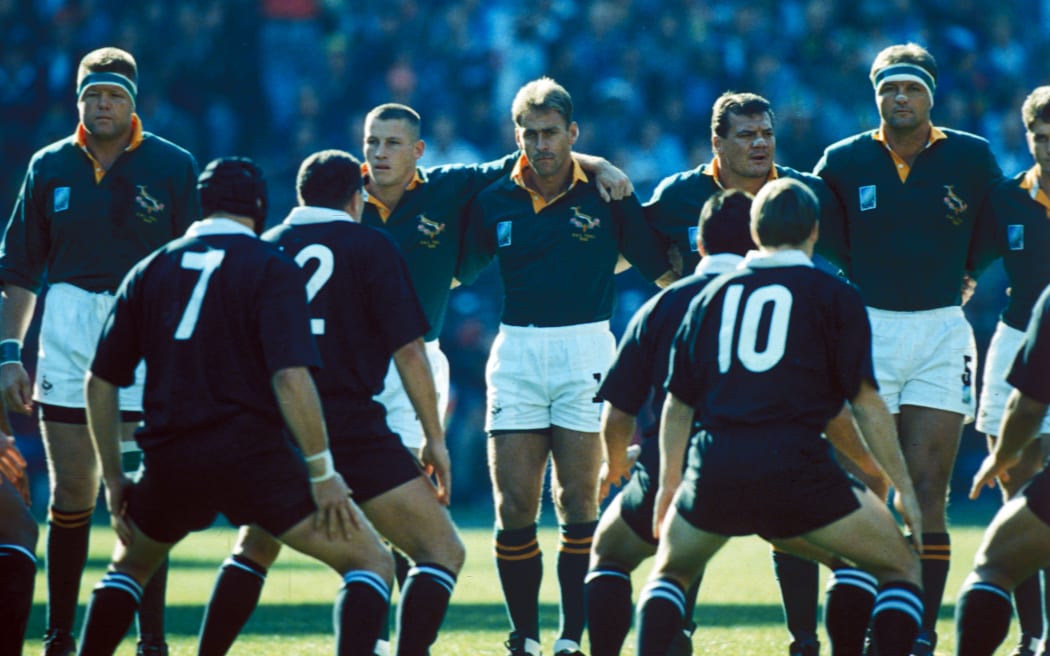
<point x="739" y="612"/>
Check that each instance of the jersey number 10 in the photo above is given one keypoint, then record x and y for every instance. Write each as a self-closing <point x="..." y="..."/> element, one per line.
<point x="745" y="343"/>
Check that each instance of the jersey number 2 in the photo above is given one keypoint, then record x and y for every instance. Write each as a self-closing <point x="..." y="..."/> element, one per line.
<point x="325" y="266"/>
<point x="745" y="343"/>
<point x="206" y="262"/>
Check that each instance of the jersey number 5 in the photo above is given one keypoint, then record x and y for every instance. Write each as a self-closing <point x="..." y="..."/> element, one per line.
<point x="325" y="266"/>
<point x="206" y="262"/>
<point x="745" y="343"/>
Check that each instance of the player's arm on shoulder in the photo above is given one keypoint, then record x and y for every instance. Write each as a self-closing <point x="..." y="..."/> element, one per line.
<point x="418" y="380"/>
<point x="16" y="311"/>
<point x="613" y="183"/>
<point x="300" y="406"/>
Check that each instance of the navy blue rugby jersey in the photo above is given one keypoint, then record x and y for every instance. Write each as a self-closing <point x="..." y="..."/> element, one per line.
<point x="1031" y="370"/>
<point x="214" y="314"/>
<point x="776" y="342"/>
<point x="363" y="306"/>
<point x="642" y="358"/>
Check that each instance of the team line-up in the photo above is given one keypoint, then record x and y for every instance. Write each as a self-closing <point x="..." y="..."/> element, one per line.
<point x="808" y="360"/>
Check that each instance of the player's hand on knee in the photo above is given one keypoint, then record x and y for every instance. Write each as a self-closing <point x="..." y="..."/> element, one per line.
<point x="438" y="466"/>
<point x="12" y="463"/>
<point x="994" y="467"/>
<point x="334" y="509"/>
<point x="615" y="471"/>
<point x="16" y="388"/>
<point x="117" y="503"/>
<point x="907" y="505"/>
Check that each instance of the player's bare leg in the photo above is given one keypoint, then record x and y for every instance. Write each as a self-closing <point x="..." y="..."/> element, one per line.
<point x="1013" y="549"/>
<point x="415" y="522"/>
<point x="18" y="537"/>
<point x="681" y="556"/>
<point x="929" y="439"/>
<point x="869" y="537"/>
<point x="576" y="457"/>
<point x="517" y="464"/>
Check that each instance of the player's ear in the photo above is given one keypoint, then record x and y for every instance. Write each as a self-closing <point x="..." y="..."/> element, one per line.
<point x="574" y="132"/>
<point x="418" y="149"/>
<point x="716" y="143"/>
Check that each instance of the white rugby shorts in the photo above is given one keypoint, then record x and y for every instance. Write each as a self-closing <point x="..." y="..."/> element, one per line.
<point x="1005" y="344"/>
<point x="69" y="332"/>
<point x="543" y="377"/>
<point x="926" y="359"/>
<point x="400" y="415"/>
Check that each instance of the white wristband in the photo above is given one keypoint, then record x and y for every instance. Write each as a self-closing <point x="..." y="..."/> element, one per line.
<point x="329" y="466"/>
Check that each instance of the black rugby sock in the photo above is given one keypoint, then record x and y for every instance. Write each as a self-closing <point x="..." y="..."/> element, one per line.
<point x="17" y="576"/>
<point x="234" y="597"/>
<point x="109" y="614"/>
<point x="520" y="566"/>
<point x="67" y="551"/>
<point x="896" y="618"/>
<point x="799" y="593"/>
<point x="609" y="610"/>
<point x="847" y="609"/>
<point x="151" y="611"/>
<point x="358" y="615"/>
<point x="424" y="601"/>
<point x="661" y="608"/>
<point x="1028" y="600"/>
<point x="982" y="619"/>
<point x="574" y="554"/>
<point x="935" y="558"/>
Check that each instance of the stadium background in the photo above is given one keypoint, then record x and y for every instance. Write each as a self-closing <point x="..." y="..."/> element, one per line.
<point x="278" y="79"/>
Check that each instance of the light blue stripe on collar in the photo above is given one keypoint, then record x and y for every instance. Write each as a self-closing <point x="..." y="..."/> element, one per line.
<point x="218" y="226"/>
<point x="719" y="263"/>
<point x="768" y="259"/>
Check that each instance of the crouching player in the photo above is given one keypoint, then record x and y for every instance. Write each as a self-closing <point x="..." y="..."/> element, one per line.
<point x="1017" y="543"/>
<point x="220" y="318"/>
<point x="765" y="357"/>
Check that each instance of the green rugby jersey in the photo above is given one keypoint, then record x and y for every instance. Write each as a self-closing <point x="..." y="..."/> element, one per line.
<point x="75" y="223"/>
<point x="907" y="230"/>
<point x="428" y="225"/>
<point x="674" y="209"/>
<point x="557" y="259"/>
<point x="1018" y="230"/>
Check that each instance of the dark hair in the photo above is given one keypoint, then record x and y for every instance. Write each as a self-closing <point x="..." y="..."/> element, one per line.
<point x="109" y="60"/>
<point x="725" y="225"/>
<point x="543" y="94"/>
<point x="328" y="178"/>
<point x="1036" y="107"/>
<point x="233" y="185"/>
<point x="908" y="53"/>
<point x="784" y="212"/>
<point x="737" y="104"/>
<point x="397" y="112"/>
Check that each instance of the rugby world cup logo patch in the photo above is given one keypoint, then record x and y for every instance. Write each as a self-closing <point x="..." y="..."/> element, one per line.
<point x="584" y="224"/>
<point x="430" y="230"/>
<point x="150" y="206"/>
<point x="956" y="205"/>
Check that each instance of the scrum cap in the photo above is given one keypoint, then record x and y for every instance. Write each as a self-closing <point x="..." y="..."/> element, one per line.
<point x="234" y="185"/>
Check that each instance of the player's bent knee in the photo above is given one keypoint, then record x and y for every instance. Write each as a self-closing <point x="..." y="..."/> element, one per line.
<point x="258" y="545"/>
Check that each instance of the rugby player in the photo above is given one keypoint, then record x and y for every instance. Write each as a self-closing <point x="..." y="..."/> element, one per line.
<point x="558" y="246"/>
<point x="220" y="318"/>
<point x="776" y="348"/>
<point x="1017" y="543"/>
<point x="910" y="195"/>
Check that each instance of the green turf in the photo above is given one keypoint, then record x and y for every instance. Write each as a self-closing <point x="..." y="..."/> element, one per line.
<point x="739" y="611"/>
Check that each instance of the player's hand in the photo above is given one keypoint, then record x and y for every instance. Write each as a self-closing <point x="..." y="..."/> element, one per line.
<point x="16" y="389"/>
<point x="615" y="470"/>
<point x="438" y="467"/>
<point x="995" y="466"/>
<point x="613" y="184"/>
<point x="117" y="503"/>
<point x="335" y="515"/>
<point x="908" y="507"/>
<point x="969" y="286"/>
<point x="13" y="465"/>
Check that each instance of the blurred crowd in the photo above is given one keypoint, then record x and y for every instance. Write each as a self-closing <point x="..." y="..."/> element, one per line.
<point x="279" y="79"/>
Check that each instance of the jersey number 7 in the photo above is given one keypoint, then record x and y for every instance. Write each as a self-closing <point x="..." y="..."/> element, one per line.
<point x="206" y="262"/>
